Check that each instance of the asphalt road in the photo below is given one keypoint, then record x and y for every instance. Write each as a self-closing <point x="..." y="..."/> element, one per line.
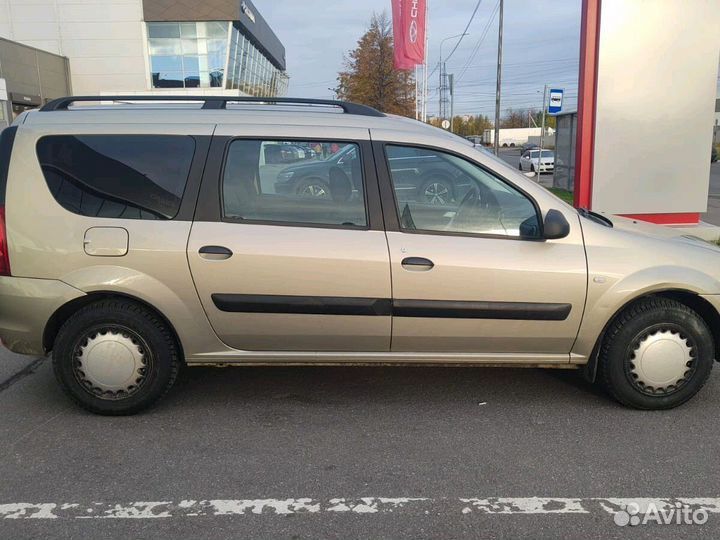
<point x="350" y="453"/>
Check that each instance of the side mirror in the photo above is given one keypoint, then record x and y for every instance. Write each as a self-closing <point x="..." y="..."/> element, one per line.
<point x="555" y="226"/>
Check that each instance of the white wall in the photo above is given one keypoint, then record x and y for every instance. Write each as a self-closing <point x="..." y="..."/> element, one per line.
<point x="104" y="39"/>
<point x="657" y="75"/>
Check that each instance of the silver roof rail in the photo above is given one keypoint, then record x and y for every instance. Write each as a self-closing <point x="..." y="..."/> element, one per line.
<point x="217" y="102"/>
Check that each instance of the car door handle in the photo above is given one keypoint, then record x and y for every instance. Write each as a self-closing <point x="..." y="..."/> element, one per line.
<point x="215" y="253"/>
<point x="417" y="264"/>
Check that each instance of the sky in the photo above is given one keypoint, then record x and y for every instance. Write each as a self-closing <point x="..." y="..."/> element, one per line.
<point x="541" y="40"/>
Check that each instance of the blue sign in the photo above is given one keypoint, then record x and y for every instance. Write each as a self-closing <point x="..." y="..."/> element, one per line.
<point x="556" y="99"/>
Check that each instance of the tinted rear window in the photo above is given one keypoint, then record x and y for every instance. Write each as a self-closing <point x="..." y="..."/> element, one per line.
<point x="7" y="136"/>
<point x="117" y="176"/>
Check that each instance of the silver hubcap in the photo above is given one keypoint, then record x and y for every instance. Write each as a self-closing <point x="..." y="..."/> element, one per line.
<point x="111" y="363"/>
<point x="437" y="193"/>
<point x="313" y="190"/>
<point x="662" y="362"/>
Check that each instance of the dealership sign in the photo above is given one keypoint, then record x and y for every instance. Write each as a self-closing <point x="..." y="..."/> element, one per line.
<point x="247" y="11"/>
<point x="409" y="32"/>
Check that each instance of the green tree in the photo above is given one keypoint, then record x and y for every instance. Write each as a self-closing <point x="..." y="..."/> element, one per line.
<point x="467" y="125"/>
<point x="370" y="77"/>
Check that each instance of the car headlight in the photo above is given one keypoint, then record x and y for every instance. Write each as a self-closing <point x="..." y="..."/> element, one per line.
<point x="285" y="175"/>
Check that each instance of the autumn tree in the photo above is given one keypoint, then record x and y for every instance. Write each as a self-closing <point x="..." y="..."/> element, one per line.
<point x="369" y="75"/>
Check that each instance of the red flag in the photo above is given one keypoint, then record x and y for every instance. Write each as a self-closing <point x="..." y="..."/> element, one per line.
<point x="409" y="32"/>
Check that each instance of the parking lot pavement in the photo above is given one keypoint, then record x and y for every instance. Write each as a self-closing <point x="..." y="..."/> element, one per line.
<point x="353" y="452"/>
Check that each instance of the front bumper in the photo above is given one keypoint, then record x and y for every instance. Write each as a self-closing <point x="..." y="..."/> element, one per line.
<point x="26" y="305"/>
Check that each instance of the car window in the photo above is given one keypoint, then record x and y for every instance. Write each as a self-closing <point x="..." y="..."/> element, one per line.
<point x="298" y="182"/>
<point x="117" y="176"/>
<point x="438" y="191"/>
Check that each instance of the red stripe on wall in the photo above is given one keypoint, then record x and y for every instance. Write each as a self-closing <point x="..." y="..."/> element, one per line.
<point x="687" y="218"/>
<point x="587" y="102"/>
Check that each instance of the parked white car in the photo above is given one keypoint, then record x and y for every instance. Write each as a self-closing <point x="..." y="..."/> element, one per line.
<point x="530" y="159"/>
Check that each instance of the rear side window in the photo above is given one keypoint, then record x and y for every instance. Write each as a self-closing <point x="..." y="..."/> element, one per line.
<point x="117" y="176"/>
<point x="294" y="182"/>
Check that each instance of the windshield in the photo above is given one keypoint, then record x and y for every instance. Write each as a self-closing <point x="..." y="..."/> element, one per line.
<point x="545" y="153"/>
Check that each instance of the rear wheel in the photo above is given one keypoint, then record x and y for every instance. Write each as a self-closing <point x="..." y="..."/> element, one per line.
<point x="115" y="357"/>
<point x="313" y="188"/>
<point x="437" y="190"/>
<point x="657" y="354"/>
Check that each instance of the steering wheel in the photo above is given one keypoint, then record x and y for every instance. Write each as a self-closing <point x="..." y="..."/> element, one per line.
<point x="477" y="198"/>
<point x="471" y="198"/>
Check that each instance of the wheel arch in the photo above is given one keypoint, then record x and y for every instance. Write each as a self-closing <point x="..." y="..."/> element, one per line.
<point x="686" y="297"/>
<point x="52" y="327"/>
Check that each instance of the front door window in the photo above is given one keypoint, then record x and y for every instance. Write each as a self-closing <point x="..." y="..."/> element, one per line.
<point x="440" y="192"/>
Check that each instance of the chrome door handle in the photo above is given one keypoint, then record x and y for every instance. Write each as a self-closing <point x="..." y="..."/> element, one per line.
<point x="215" y="253"/>
<point x="417" y="264"/>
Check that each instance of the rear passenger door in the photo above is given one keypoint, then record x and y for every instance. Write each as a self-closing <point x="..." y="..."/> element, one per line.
<point x="287" y="249"/>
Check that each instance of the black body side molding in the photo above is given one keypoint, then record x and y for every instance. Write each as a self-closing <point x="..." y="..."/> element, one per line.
<point x="339" y="305"/>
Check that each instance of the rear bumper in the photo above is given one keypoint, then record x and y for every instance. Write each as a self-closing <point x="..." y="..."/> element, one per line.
<point x="26" y="305"/>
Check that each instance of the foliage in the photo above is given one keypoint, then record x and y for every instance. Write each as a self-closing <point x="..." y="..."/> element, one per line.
<point x="370" y="77"/>
<point x="519" y="118"/>
<point x="563" y="194"/>
<point x="467" y="125"/>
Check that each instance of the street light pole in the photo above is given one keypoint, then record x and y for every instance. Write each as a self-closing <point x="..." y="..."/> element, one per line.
<point x="442" y="74"/>
<point x="451" y="81"/>
<point x="499" y="80"/>
<point x="542" y="132"/>
<point x="425" y="66"/>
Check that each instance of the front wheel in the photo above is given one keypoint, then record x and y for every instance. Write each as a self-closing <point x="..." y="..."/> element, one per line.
<point x="115" y="357"/>
<point x="657" y="354"/>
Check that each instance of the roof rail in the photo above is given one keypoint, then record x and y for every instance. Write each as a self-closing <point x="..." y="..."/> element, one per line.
<point x="216" y="102"/>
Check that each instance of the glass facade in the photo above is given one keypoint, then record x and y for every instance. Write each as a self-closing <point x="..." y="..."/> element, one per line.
<point x="211" y="54"/>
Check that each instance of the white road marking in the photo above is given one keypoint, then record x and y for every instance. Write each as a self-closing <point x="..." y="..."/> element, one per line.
<point x="363" y="505"/>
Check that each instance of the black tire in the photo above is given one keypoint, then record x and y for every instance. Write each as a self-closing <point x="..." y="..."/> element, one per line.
<point x="313" y="187"/>
<point x="159" y="347"/>
<point x="641" y="319"/>
<point x="532" y="168"/>
<point x="520" y="166"/>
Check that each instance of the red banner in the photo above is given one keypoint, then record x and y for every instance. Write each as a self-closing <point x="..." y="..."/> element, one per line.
<point x="409" y="32"/>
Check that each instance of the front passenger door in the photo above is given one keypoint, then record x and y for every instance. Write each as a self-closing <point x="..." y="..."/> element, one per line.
<point x="472" y="274"/>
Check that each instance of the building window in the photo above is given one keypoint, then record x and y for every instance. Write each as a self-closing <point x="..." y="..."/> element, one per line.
<point x="194" y="55"/>
<point x="188" y="55"/>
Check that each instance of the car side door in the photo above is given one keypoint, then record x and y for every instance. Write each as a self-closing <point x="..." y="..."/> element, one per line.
<point x="475" y="275"/>
<point x="279" y="267"/>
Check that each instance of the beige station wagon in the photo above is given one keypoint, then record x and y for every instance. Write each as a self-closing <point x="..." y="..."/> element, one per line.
<point x="140" y="233"/>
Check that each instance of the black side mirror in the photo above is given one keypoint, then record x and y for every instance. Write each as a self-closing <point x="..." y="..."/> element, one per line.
<point x="555" y="225"/>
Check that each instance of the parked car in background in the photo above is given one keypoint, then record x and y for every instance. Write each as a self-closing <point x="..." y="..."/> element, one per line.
<point x="312" y="178"/>
<point x="532" y="161"/>
<point x="528" y="146"/>
<point x="421" y="176"/>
